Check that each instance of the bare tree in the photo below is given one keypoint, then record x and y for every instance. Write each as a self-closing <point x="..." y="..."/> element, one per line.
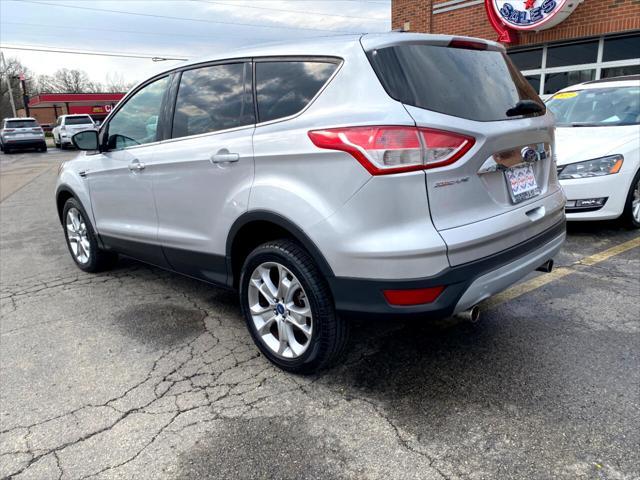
<point x="12" y="70"/>
<point x="68" y="80"/>
<point x="116" y="83"/>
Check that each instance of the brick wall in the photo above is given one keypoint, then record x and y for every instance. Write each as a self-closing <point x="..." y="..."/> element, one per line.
<point x="590" y="18"/>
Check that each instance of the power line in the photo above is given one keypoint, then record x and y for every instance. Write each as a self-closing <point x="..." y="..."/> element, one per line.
<point x="202" y="20"/>
<point x="38" y="48"/>
<point x="292" y="11"/>
<point x="99" y="29"/>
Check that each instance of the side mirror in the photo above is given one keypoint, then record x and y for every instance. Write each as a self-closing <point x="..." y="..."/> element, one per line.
<point x="87" y="140"/>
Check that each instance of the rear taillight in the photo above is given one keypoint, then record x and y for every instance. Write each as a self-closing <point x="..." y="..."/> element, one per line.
<point x="9" y="129"/>
<point x="36" y="129"/>
<point x="394" y="149"/>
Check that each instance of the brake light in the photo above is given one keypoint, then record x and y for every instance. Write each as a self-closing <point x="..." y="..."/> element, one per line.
<point x="9" y="129"/>
<point x="394" y="149"/>
<point x="417" y="296"/>
<point x="468" y="44"/>
<point x="36" y="129"/>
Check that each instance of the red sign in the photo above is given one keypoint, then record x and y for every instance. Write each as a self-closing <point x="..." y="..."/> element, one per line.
<point x="526" y="15"/>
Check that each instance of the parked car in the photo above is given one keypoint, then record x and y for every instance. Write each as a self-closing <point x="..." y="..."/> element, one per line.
<point x="67" y="126"/>
<point x="372" y="175"/>
<point x="598" y="149"/>
<point x="21" y="133"/>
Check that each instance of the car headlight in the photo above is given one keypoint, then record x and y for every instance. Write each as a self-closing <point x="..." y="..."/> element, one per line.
<point x="596" y="167"/>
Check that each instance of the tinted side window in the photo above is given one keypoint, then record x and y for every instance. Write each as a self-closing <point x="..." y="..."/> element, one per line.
<point x="136" y="123"/>
<point x="285" y="88"/>
<point x="213" y="98"/>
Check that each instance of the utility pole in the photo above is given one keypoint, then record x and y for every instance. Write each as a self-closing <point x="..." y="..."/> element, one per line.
<point x="25" y="97"/>
<point x="3" y="65"/>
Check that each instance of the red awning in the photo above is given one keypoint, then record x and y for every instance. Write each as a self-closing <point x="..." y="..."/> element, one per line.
<point x="86" y="99"/>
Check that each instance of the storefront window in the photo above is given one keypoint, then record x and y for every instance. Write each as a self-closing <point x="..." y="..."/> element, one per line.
<point x="557" y="81"/>
<point x="620" y="71"/>
<point x="527" y="59"/>
<point x="534" y="81"/>
<point x="574" y="54"/>
<point x="621" y="48"/>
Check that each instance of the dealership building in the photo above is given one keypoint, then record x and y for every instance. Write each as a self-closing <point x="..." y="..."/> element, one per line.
<point x="555" y="43"/>
<point x="47" y="107"/>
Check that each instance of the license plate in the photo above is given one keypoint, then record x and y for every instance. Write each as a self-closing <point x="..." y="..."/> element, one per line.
<point x="521" y="181"/>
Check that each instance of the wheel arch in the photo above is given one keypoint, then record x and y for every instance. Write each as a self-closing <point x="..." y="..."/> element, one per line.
<point x="63" y="194"/>
<point x="254" y="228"/>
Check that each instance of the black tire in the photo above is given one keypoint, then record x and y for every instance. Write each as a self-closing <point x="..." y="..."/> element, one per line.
<point x="43" y="148"/>
<point x="6" y="150"/>
<point x="57" y="144"/>
<point x="627" y="217"/>
<point x="330" y="333"/>
<point x="98" y="260"/>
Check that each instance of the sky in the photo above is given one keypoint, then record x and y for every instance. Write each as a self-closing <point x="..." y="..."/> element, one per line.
<point x="168" y="28"/>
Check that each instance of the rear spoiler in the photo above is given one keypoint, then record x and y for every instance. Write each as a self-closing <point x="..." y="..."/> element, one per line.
<point x="375" y="41"/>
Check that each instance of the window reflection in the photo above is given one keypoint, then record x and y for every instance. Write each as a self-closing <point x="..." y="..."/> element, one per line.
<point x="213" y="98"/>
<point x="285" y="88"/>
<point x="136" y="123"/>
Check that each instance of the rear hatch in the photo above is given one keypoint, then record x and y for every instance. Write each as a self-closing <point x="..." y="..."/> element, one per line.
<point x="500" y="193"/>
<point x="22" y="129"/>
<point x="79" y="124"/>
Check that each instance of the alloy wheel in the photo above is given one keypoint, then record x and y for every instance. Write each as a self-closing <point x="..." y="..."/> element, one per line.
<point x="77" y="236"/>
<point x="280" y="310"/>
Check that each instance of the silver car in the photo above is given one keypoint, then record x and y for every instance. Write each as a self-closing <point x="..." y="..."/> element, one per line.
<point x="67" y="126"/>
<point x="387" y="175"/>
<point x="21" y="133"/>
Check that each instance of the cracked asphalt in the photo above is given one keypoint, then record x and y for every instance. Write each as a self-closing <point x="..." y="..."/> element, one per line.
<point x="140" y="373"/>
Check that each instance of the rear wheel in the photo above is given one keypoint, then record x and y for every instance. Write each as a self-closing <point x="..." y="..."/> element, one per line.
<point x="631" y="214"/>
<point x="289" y="310"/>
<point x="82" y="241"/>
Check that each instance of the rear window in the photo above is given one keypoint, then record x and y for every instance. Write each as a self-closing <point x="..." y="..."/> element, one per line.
<point x="285" y="88"/>
<point x="21" y="124"/>
<point x="475" y="84"/>
<point x="77" y="120"/>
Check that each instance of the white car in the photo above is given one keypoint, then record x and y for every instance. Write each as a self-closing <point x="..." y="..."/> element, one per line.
<point x="598" y="149"/>
<point x="67" y="126"/>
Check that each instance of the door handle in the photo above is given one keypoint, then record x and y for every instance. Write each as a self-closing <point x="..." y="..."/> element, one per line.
<point x="136" y="166"/>
<point x="223" y="156"/>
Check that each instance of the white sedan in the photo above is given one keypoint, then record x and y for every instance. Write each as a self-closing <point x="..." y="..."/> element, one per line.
<point x="598" y="149"/>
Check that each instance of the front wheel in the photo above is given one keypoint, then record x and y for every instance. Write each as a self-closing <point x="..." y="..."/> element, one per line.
<point x="631" y="214"/>
<point x="289" y="309"/>
<point x="82" y="241"/>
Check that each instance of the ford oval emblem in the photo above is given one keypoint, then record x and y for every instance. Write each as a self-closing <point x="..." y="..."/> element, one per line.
<point x="529" y="155"/>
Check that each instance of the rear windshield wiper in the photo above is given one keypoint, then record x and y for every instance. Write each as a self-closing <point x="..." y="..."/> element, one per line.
<point x="525" y="107"/>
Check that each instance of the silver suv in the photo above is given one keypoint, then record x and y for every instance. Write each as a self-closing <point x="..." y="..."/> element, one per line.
<point x="20" y="133"/>
<point x="376" y="175"/>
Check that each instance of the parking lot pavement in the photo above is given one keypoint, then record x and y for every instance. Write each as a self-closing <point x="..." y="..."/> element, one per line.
<point x="140" y="373"/>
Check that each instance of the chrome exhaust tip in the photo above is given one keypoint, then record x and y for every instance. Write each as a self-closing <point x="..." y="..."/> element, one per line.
<point x="472" y="315"/>
<point x="546" y="267"/>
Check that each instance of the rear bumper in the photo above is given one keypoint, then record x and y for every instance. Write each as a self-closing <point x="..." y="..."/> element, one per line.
<point x="466" y="284"/>
<point x="24" y="142"/>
